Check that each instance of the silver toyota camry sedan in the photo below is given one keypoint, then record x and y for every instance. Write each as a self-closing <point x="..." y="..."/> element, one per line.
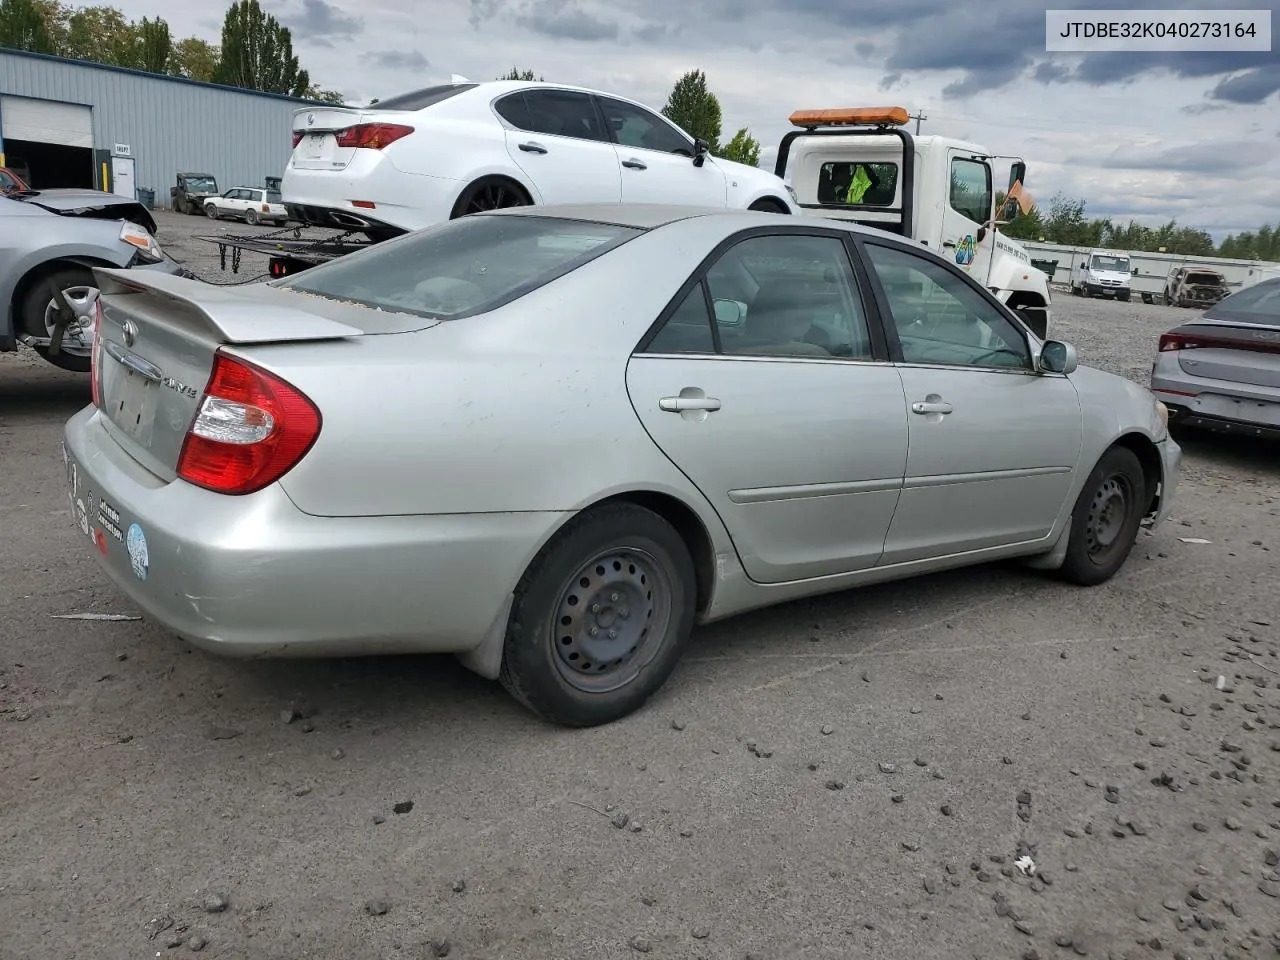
<point x="552" y="440"/>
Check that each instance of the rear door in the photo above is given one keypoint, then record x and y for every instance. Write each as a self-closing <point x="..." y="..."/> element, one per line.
<point x="780" y="406"/>
<point x="656" y="160"/>
<point x="557" y="138"/>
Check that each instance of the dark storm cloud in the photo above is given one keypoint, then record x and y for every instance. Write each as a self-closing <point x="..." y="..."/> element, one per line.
<point x="564" y="20"/>
<point x="1252" y="86"/>
<point x="321" y="22"/>
<point x="396" y="59"/>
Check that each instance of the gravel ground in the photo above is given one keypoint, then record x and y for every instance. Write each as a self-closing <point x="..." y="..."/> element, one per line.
<point x="851" y="776"/>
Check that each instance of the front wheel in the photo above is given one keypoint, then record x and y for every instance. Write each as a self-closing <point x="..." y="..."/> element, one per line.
<point x="1106" y="520"/>
<point x="601" y="617"/>
<point x="40" y="311"/>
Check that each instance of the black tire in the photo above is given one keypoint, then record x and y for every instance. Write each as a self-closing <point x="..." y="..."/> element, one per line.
<point x="1100" y="542"/>
<point x="647" y="569"/>
<point x="251" y="217"/>
<point x="490" y="193"/>
<point x="35" y="303"/>
<point x="767" y="205"/>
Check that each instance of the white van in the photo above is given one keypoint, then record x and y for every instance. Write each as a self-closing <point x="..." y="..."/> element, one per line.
<point x="1103" y="273"/>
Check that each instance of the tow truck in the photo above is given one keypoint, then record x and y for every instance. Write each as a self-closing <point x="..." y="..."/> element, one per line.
<point x="862" y="164"/>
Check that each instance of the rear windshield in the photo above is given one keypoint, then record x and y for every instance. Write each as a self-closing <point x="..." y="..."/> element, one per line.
<point x="1259" y="303"/>
<point x="423" y="98"/>
<point x="858" y="184"/>
<point x="462" y="267"/>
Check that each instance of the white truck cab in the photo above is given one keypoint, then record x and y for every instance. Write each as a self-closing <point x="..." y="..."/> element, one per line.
<point x="862" y="164"/>
<point x="1103" y="273"/>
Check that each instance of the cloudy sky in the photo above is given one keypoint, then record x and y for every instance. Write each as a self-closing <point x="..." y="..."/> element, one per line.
<point x="1144" y="135"/>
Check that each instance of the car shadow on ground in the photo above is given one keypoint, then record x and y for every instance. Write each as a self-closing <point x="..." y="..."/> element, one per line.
<point x="1229" y="450"/>
<point x="41" y="392"/>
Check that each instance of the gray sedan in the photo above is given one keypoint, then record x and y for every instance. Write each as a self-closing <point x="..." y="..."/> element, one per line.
<point x="551" y="440"/>
<point x="50" y="241"/>
<point x="1221" y="371"/>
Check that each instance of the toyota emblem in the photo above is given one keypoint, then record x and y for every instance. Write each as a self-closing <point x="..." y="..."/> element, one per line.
<point x="130" y="333"/>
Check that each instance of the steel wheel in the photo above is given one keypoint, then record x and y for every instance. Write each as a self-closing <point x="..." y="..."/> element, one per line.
<point x="251" y="217"/>
<point x="211" y="211"/>
<point x="1107" y="517"/>
<point x="610" y="619"/>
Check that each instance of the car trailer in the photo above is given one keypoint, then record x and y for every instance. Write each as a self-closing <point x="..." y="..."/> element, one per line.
<point x="289" y="253"/>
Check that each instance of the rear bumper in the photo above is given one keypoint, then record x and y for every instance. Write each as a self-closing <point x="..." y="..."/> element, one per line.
<point x="255" y="577"/>
<point x="1218" y="405"/>
<point x="401" y="201"/>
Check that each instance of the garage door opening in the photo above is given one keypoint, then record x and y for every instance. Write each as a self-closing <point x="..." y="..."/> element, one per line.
<point x="50" y="165"/>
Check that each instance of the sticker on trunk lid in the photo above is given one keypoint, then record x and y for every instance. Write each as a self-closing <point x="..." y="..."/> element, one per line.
<point x="136" y="541"/>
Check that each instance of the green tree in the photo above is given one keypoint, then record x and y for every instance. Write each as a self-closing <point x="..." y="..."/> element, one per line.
<point x="194" y="59"/>
<point x="695" y="110"/>
<point x="257" y="53"/>
<point x="25" y="26"/>
<point x="101" y="35"/>
<point x="743" y="148"/>
<point x="325" y="96"/>
<point x="154" y="46"/>
<point x="517" y="74"/>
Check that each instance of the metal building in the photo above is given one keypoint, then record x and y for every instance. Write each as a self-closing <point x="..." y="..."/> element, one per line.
<point x="70" y="123"/>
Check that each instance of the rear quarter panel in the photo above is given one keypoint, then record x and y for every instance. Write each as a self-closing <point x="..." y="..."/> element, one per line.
<point x="523" y="409"/>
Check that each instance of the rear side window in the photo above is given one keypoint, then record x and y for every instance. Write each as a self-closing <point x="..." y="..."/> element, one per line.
<point x="864" y="184"/>
<point x="423" y="98"/>
<point x="560" y="113"/>
<point x="462" y="267"/>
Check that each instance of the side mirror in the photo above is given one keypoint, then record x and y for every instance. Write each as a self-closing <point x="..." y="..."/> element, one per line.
<point x="1135" y="271"/>
<point x="981" y="234"/>
<point x="1057" y="357"/>
<point x="728" y="312"/>
<point x="700" y="148"/>
<point x="1018" y="174"/>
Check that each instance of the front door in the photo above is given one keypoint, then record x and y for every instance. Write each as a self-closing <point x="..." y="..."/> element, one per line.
<point x="656" y="159"/>
<point x="969" y="206"/>
<point x="560" y="144"/>
<point x="122" y="184"/>
<point x="992" y="444"/>
<point x="781" y="410"/>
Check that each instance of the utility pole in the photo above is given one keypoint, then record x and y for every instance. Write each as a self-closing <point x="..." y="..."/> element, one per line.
<point x="917" y="117"/>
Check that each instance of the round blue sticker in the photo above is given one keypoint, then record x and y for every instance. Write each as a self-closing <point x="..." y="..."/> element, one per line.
<point x="136" y="541"/>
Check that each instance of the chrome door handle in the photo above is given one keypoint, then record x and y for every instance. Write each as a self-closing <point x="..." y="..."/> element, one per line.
<point x="634" y="164"/>
<point x="533" y="148"/>
<point x="681" y="404"/>
<point x="925" y="407"/>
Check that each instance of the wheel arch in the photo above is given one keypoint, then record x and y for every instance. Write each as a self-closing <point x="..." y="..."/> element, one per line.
<point x="502" y="176"/>
<point x="486" y="658"/>
<point x="42" y="270"/>
<point x="772" y="200"/>
<point x="1144" y="448"/>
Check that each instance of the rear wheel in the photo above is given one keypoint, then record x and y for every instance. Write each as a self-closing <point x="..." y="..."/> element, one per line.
<point x="601" y="617"/>
<point x="490" y="193"/>
<point x="40" y="311"/>
<point x="1107" y="516"/>
<point x="211" y="211"/>
<point x="251" y="217"/>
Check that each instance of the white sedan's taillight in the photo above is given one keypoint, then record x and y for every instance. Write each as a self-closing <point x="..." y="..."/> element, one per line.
<point x="251" y="429"/>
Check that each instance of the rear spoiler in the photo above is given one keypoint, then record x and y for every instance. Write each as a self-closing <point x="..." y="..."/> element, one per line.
<point x="223" y="309"/>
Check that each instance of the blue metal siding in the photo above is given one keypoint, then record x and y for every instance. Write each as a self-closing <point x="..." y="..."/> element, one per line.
<point x="169" y="125"/>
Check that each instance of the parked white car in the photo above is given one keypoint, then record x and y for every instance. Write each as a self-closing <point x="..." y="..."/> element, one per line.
<point x="250" y="204"/>
<point x="426" y="157"/>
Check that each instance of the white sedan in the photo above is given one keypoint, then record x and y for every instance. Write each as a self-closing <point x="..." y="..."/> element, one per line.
<point x="430" y="156"/>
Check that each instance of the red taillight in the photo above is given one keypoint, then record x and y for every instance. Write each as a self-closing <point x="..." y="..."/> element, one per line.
<point x="372" y="136"/>
<point x="1170" y="341"/>
<point x="95" y="353"/>
<point x="297" y="138"/>
<point x="252" y="428"/>
<point x="1254" y="343"/>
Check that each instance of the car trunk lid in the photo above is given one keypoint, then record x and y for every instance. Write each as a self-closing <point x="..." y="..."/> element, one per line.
<point x="156" y="344"/>
<point x="1238" y="353"/>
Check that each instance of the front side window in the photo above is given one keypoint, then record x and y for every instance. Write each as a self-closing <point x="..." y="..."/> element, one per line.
<point x="860" y="183"/>
<point x="971" y="189"/>
<point x="941" y="318"/>
<point x="461" y="267"/>
<point x="633" y="126"/>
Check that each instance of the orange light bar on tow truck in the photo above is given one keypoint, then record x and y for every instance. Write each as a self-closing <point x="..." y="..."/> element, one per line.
<point x="851" y="117"/>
